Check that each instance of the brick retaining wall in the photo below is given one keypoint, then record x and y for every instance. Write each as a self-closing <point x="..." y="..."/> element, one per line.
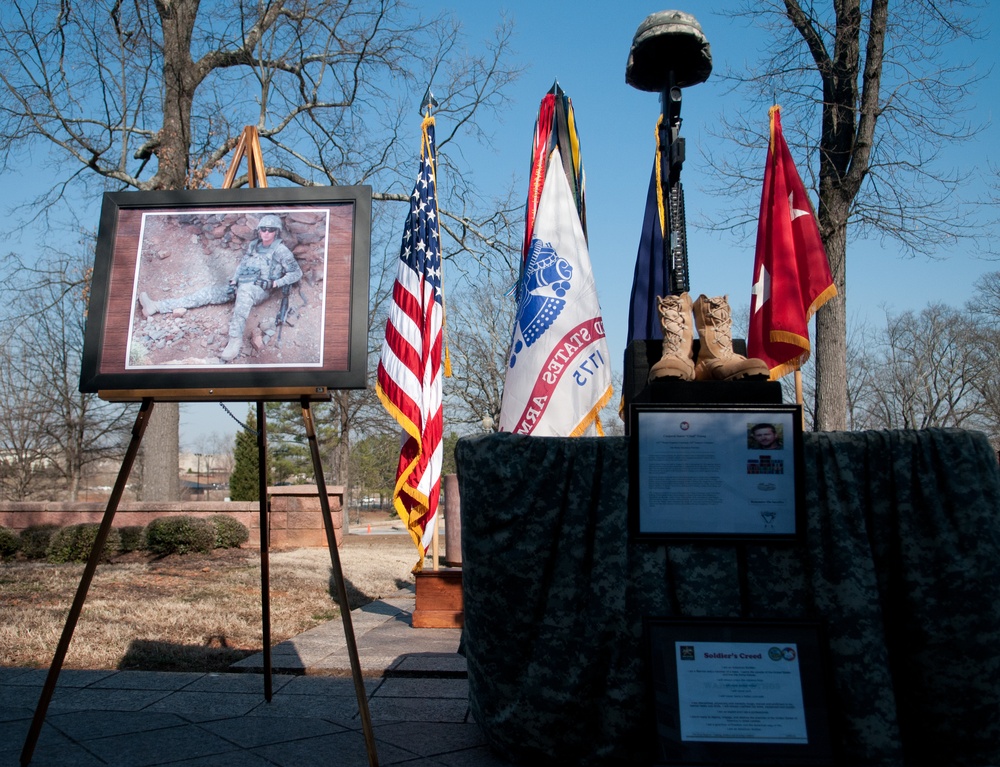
<point x="294" y="516"/>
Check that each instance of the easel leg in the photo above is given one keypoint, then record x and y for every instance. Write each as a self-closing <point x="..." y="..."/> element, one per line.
<point x="338" y="577"/>
<point x="265" y="566"/>
<point x="141" y="421"/>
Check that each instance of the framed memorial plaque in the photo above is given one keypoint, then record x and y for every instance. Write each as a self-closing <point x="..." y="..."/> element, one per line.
<point x="738" y="693"/>
<point x="715" y="472"/>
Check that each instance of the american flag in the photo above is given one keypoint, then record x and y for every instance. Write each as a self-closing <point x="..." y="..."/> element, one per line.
<point x="409" y="380"/>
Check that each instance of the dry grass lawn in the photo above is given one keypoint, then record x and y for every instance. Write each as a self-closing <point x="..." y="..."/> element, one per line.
<point x="187" y="612"/>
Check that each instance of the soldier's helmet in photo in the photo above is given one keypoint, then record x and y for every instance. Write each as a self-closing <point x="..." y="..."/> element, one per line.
<point x="269" y="221"/>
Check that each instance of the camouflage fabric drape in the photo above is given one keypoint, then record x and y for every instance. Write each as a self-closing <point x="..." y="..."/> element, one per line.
<point x="900" y="565"/>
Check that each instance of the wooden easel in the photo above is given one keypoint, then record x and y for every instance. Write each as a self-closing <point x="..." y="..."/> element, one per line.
<point x="249" y="145"/>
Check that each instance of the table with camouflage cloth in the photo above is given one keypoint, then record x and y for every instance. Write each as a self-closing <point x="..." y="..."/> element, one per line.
<point x="900" y="564"/>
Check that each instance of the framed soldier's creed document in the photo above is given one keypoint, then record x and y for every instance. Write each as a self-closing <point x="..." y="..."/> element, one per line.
<point x="738" y="692"/>
<point x="715" y="472"/>
<point x="229" y="294"/>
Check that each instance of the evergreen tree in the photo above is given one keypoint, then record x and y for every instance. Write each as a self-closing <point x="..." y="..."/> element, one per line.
<point x="288" y="455"/>
<point x="448" y="463"/>
<point x="243" y="483"/>
<point x="287" y="449"/>
<point x="373" y="466"/>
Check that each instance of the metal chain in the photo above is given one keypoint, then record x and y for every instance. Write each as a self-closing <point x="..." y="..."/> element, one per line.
<point x="255" y="432"/>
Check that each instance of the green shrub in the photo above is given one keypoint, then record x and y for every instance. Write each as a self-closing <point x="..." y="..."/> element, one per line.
<point x="9" y="543"/>
<point x="133" y="538"/>
<point x="35" y="540"/>
<point x="230" y="533"/>
<point x="179" y="535"/>
<point x="74" y="543"/>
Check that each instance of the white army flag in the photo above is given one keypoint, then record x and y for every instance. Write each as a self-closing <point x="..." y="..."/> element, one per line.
<point x="559" y="370"/>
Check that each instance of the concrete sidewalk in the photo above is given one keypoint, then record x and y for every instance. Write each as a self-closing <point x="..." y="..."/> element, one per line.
<point x="415" y="681"/>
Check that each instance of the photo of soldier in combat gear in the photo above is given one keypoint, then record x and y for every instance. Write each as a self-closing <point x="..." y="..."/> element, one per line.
<point x="266" y="264"/>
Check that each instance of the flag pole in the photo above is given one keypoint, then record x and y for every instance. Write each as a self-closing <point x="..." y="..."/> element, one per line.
<point x="409" y="376"/>
<point x="798" y="395"/>
<point x="426" y="109"/>
<point x="791" y="272"/>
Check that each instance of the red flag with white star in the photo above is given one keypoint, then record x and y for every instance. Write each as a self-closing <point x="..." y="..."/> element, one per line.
<point x="791" y="274"/>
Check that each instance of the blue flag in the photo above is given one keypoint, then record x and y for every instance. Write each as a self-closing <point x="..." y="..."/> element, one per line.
<point x="650" y="279"/>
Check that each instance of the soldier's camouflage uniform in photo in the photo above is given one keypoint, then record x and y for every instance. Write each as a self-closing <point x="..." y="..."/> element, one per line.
<point x="262" y="269"/>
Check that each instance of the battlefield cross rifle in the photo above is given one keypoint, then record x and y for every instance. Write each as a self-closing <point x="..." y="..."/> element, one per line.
<point x="670" y="52"/>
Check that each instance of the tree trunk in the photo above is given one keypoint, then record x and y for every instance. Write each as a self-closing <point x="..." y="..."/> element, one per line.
<point x="74" y="480"/>
<point x="160" y="478"/>
<point x="180" y="80"/>
<point x="342" y="452"/>
<point x="848" y="126"/>
<point x="831" y="332"/>
<point x="161" y="442"/>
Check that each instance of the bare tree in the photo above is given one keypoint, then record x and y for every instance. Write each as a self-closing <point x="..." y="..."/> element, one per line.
<point x="861" y="369"/>
<point x="863" y="376"/>
<point x="984" y="311"/>
<point x="925" y="370"/>
<point x="986" y="301"/>
<point x="480" y="319"/>
<point x="56" y="432"/>
<point x="220" y="448"/>
<point x="23" y="444"/>
<point x="611" y="415"/>
<point x="153" y="94"/>
<point x="880" y="84"/>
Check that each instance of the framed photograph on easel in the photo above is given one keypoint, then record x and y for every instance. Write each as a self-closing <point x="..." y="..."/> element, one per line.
<point x="210" y="294"/>
<point x="238" y="295"/>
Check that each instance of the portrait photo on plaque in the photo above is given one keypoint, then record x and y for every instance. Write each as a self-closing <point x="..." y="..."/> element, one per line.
<point x="230" y="289"/>
<point x="738" y="692"/>
<point x="715" y="472"/>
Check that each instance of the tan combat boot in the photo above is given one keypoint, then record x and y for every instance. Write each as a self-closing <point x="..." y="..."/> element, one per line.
<point x="678" y="339"/>
<point x="233" y="348"/>
<point x="716" y="359"/>
<point x="149" y="306"/>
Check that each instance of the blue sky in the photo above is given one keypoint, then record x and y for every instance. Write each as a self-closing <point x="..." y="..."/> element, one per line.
<point x="616" y="124"/>
<point x="585" y="47"/>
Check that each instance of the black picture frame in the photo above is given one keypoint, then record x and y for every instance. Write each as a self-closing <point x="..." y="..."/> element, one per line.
<point x="177" y="244"/>
<point x="709" y="709"/>
<point x="696" y="473"/>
